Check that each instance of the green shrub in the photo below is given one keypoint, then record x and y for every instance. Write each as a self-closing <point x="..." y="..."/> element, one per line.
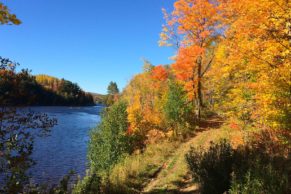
<point x="212" y="168"/>
<point x="109" y="142"/>
<point x="91" y="184"/>
<point x="177" y="109"/>
<point x="259" y="179"/>
<point x="258" y="167"/>
<point x="257" y="170"/>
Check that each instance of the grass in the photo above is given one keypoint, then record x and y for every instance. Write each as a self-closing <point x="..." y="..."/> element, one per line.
<point x="137" y="170"/>
<point x="162" y="167"/>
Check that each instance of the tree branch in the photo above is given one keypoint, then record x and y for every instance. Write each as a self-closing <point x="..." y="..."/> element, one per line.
<point x="208" y="66"/>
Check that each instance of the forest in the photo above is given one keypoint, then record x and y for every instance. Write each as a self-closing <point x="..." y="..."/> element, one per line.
<point x="227" y="95"/>
<point x="216" y="120"/>
<point x="24" y="89"/>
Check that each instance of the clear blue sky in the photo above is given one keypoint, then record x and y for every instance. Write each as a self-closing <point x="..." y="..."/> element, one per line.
<point x="90" y="42"/>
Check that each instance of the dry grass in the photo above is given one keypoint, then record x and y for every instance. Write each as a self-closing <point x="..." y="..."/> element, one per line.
<point x="174" y="178"/>
<point x="138" y="169"/>
<point x="162" y="167"/>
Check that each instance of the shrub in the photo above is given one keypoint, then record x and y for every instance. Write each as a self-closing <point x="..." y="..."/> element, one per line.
<point x="91" y="184"/>
<point x="258" y="167"/>
<point x="212" y="168"/>
<point x="109" y="142"/>
<point x="259" y="179"/>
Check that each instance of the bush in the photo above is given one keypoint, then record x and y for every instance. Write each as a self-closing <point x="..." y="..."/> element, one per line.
<point x="258" y="167"/>
<point x="257" y="170"/>
<point x="259" y="179"/>
<point x="109" y="142"/>
<point x="91" y="184"/>
<point x="212" y="168"/>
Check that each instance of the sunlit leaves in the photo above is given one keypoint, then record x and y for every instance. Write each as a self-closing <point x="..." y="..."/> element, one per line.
<point x="6" y="17"/>
<point x="254" y="58"/>
<point x="238" y="53"/>
<point x="159" y="73"/>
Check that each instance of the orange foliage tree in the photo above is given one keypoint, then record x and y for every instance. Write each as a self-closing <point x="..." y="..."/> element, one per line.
<point x="197" y="24"/>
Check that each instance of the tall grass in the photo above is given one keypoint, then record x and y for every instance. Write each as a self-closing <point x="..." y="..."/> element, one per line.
<point x="137" y="170"/>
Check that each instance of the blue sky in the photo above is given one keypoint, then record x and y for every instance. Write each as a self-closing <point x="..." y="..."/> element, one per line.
<point x="90" y="42"/>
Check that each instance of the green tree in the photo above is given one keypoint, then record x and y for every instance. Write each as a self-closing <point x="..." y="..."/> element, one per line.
<point x="176" y="108"/>
<point x="109" y="142"/>
<point x="112" y="93"/>
<point x="112" y="88"/>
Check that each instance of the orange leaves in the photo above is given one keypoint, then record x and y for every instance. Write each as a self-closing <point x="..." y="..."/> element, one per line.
<point x="234" y="126"/>
<point x="205" y="34"/>
<point x="129" y="131"/>
<point x="197" y="19"/>
<point x="185" y="68"/>
<point x="186" y="61"/>
<point x="159" y="73"/>
<point x="191" y="22"/>
<point x="197" y="26"/>
<point x="145" y="96"/>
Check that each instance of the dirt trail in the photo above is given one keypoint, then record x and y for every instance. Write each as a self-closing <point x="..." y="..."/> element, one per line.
<point x="174" y="176"/>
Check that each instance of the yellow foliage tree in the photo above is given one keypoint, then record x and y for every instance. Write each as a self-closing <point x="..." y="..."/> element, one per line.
<point x="252" y="69"/>
<point x="145" y="95"/>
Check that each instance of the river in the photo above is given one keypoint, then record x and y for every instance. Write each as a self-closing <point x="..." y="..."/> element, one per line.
<point x="65" y="149"/>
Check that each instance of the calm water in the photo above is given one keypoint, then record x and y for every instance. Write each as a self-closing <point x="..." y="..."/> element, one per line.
<point x="66" y="147"/>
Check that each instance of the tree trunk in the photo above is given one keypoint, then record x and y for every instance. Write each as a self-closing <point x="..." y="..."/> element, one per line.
<point x="199" y="89"/>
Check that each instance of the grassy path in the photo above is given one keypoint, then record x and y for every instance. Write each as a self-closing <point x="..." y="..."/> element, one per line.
<point x="174" y="176"/>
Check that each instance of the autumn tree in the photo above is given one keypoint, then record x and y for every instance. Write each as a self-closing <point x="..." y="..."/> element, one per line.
<point x="6" y="17"/>
<point x="146" y="95"/>
<point x="18" y="129"/>
<point x="252" y="70"/>
<point x="197" y="24"/>
<point x="16" y="88"/>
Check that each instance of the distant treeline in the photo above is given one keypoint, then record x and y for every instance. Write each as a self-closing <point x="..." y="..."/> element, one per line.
<point x="109" y="98"/>
<point x="22" y="88"/>
<point x="69" y="93"/>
